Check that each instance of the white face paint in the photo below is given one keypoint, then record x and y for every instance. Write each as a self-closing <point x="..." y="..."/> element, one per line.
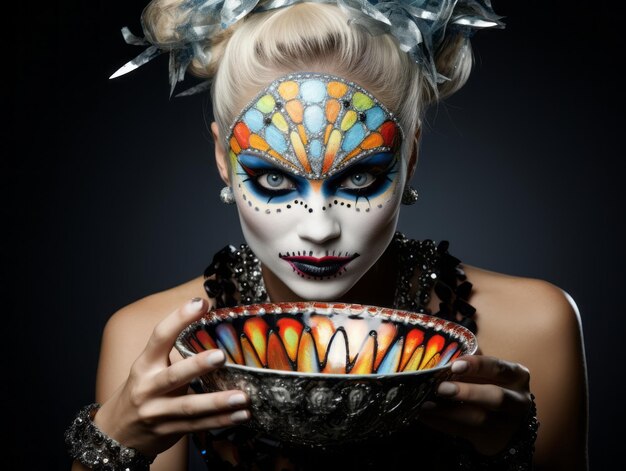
<point x="318" y="178"/>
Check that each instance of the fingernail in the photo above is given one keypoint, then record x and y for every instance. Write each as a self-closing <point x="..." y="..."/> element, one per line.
<point x="429" y="405"/>
<point x="240" y="416"/>
<point x="215" y="357"/>
<point x="195" y="304"/>
<point x="238" y="399"/>
<point x="447" y="389"/>
<point x="460" y="366"/>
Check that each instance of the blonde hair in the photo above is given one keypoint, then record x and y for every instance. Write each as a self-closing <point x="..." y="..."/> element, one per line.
<point x="314" y="37"/>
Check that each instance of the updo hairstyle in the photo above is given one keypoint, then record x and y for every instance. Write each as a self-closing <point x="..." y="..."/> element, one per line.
<point x="311" y="37"/>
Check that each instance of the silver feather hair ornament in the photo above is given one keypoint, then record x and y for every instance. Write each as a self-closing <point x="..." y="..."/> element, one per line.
<point x="420" y="27"/>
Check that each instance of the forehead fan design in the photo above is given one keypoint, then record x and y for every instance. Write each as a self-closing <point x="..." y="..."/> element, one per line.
<point x="314" y="125"/>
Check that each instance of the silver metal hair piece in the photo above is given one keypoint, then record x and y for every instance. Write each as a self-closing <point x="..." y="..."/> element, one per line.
<point x="420" y="26"/>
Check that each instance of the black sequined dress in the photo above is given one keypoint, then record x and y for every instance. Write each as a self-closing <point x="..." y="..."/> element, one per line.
<point x="234" y="277"/>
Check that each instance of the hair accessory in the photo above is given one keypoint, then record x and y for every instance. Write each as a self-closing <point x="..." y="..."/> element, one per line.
<point x="227" y="196"/>
<point x="93" y="448"/>
<point x="420" y="26"/>
<point x="409" y="195"/>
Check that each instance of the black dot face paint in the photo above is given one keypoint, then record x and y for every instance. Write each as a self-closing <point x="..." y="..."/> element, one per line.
<point x="310" y="267"/>
<point x="317" y="174"/>
<point x="354" y="187"/>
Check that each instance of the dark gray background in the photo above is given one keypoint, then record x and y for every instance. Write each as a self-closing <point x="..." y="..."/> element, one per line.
<point x="111" y="193"/>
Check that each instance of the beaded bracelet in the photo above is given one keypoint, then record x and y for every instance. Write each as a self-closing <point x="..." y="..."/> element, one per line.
<point x="517" y="456"/>
<point x="93" y="448"/>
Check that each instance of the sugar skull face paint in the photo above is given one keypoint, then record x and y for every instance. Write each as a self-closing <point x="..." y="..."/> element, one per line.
<point x="317" y="176"/>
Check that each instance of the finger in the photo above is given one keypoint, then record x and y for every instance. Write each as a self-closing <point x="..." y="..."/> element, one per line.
<point x="486" y="369"/>
<point x="165" y="333"/>
<point x="229" y="419"/>
<point x="190" y="407"/>
<point x="182" y="372"/>
<point x="487" y="396"/>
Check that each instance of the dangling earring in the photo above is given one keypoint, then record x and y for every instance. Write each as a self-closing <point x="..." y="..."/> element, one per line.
<point x="409" y="195"/>
<point x="227" y="196"/>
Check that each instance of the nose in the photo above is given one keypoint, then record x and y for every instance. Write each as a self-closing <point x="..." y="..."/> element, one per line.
<point x="318" y="226"/>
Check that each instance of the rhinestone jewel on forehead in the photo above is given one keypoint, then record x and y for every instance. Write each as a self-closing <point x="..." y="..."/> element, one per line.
<point x="314" y="125"/>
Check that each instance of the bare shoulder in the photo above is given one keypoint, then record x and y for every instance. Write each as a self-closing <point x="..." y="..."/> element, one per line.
<point x="137" y="319"/>
<point x="537" y="324"/>
<point x="514" y="307"/>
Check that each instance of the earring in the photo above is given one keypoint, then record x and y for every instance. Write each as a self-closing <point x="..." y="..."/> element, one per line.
<point x="409" y="195"/>
<point x="227" y="196"/>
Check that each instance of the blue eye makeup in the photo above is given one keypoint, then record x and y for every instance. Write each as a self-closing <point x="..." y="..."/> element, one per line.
<point x="266" y="181"/>
<point x="367" y="178"/>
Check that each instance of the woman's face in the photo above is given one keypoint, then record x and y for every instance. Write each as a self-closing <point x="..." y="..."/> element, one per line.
<point x="317" y="175"/>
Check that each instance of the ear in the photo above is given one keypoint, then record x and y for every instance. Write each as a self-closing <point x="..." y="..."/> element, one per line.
<point x="414" y="154"/>
<point x="220" y="154"/>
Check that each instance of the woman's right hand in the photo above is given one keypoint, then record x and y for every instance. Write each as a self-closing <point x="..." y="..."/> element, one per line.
<point x="152" y="409"/>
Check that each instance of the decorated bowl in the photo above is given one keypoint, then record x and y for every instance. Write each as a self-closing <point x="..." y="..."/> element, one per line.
<point x="320" y="373"/>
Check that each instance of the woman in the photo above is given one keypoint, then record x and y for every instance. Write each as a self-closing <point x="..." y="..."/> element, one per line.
<point x="318" y="110"/>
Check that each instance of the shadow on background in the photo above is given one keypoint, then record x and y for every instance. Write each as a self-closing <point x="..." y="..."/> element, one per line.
<point x="111" y="193"/>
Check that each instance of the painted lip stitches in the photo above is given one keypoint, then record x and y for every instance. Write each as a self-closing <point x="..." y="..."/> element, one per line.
<point x="317" y="267"/>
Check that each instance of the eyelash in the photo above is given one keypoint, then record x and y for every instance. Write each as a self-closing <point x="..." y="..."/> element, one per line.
<point x="379" y="178"/>
<point x="379" y="174"/>
<point x="254" y="175"/>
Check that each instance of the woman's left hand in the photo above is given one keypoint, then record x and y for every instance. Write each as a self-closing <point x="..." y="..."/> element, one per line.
<point x="485" y="402"/>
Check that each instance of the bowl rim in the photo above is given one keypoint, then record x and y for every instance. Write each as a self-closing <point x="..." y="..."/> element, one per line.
<point x="215" y="315"/>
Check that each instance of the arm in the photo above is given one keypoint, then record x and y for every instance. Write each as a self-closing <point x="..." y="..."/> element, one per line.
<point x="143" y="393"/>
<point x="534" y="324"/>
<point x="556" y="360"/>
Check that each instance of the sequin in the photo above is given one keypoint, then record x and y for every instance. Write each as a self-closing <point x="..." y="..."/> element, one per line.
<point x="340" y="115"/>
<point x="242" y="265"/>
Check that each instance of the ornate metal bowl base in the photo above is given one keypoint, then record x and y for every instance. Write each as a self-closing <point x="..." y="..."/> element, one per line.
<point x="323" y="373"/>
